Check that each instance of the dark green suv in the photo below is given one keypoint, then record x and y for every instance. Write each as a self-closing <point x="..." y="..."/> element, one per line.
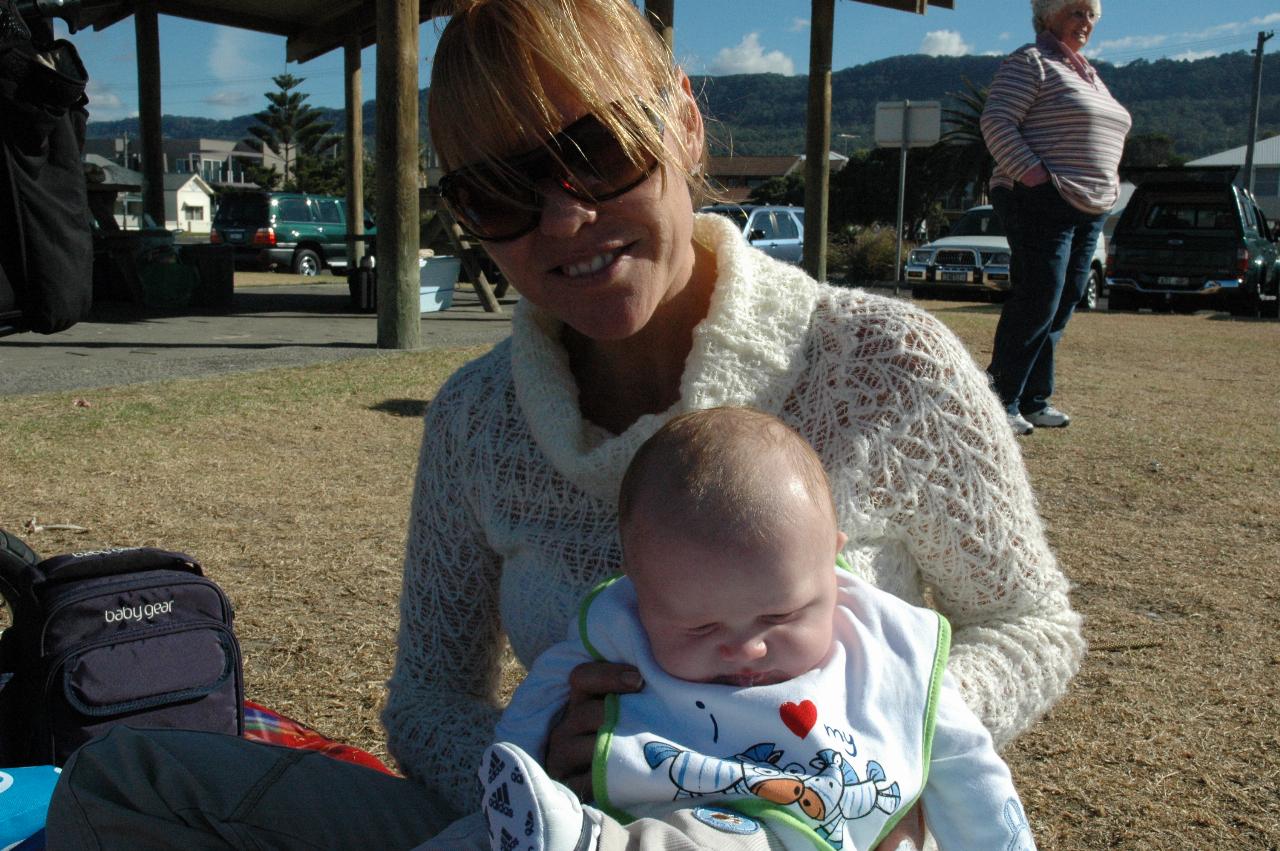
<point x="292" y="230"/>
<point x="1190" y="238"/>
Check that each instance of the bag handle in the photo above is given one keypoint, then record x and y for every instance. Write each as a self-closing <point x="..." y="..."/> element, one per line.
<point x="87" y="565"/>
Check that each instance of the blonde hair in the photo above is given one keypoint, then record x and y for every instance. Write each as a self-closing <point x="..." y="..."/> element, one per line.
<point x="489" y="77"/>
<point x="710" y="467"/>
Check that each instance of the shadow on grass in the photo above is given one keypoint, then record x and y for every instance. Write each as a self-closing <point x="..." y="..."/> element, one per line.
<point x="402" y="407"/>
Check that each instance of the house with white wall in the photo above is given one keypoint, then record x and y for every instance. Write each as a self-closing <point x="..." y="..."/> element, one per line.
<point x="188" y="203"/>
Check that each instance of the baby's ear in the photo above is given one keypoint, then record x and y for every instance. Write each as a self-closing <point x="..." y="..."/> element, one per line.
<point x="841" y="540"/>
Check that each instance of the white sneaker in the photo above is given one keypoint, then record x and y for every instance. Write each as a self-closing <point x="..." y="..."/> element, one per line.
<point x="526" y="809"/>
<point x="1048" y="417"/>
<point x="1020" y="425"/>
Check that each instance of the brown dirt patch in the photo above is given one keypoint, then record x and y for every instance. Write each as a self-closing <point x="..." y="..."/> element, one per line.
<point x="292" y="487"/>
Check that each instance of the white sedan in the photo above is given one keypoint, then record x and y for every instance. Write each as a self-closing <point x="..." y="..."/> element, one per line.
<point x="973" y="258"/>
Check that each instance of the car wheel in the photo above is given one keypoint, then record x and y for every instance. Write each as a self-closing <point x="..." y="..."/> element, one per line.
<point x="1089" y="301"/>
<point x="306" y="262"/>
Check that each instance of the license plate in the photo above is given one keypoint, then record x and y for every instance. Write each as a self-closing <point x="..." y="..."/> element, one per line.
<point x="954" y="276"/>
<point x="235" y="236"/>
<point x="1172" y="281"/>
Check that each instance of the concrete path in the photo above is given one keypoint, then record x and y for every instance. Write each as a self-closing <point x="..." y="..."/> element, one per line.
<point x="267" y="326"/>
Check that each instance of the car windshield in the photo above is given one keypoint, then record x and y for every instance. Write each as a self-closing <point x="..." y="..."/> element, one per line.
<point x="243" y="209"/>
<point x="737" y="215"/>
<point x="977" y="223"/>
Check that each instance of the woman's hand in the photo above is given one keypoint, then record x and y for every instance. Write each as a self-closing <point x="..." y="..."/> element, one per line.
<point x="1035" y="176"/>
<point x="910" y="827"/>
<point x="572" y="741"/>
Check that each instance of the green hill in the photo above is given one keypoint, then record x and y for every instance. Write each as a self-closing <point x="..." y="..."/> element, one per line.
<point x="1203" y="105"/>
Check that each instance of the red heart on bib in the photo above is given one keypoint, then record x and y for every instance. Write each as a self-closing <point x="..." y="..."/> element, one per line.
<point x="799" y="717"/>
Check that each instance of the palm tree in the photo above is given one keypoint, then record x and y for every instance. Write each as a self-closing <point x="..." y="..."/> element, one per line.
<point x="289" y="126"/>
<point x="964" y="154"/>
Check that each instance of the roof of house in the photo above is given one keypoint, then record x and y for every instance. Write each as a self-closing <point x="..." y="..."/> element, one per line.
<point x="113" y="174"/>
<point x="174" y="182"/>
<point x="750" y="166"/>
<point x="1265" y="153"/>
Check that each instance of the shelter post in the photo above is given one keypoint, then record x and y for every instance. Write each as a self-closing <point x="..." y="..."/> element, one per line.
<point x="147" y="31"/>
<point x="817" y="167"/>
<point x="662" y="14"/>
<point x="399" y="316"/>
<point x="355" y="150"/>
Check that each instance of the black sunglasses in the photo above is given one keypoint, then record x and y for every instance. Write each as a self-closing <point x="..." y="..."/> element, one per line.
<point x="500" y="201"/>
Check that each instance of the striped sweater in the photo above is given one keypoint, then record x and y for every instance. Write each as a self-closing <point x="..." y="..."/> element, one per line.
<point x="1041" y="110"/>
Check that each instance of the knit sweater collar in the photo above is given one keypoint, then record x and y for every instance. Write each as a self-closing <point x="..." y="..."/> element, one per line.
<point x="747" y="351"/>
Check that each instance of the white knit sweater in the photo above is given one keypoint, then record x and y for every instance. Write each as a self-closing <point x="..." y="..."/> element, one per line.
<point x="514" y="513"/>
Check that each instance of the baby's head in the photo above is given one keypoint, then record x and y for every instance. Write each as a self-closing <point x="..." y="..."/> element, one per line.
<point x="729" y="536"/>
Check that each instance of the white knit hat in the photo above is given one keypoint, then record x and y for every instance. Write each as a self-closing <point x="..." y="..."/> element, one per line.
<point x="1043" y="10"/>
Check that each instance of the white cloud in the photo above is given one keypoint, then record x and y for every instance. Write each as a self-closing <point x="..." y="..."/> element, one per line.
<point x="101" y="95"/>
<point x="944" y="43"/>
<point x="229" y="54"/>
<point x="105" y="104"/>
<point x="227" y="98"/>
<point x="1193" y="55"/>
<point x="798" y="25"/>
<point x="750" y="58"/>
<point x="1133" y="42"/>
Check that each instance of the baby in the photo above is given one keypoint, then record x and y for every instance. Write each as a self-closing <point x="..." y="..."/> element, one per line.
<point x="787" y="703"/>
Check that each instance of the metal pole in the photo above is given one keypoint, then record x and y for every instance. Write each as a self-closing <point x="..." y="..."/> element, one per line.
<point x="817" y="167"/>
<point x="1253" y="114"/>
<point x="902" y="194"/>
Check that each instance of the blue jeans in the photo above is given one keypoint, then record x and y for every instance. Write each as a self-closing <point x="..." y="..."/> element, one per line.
<point x="1051" y="243"/>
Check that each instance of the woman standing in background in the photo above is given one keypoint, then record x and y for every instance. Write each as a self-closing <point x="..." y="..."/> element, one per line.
<point x="1057" y="135"/>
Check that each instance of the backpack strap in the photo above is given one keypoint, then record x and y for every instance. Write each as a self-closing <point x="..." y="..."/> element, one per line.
<point x="18" y="572"/>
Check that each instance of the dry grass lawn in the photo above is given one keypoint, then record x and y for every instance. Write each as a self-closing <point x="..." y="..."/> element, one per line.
<point x="291" y="486"/>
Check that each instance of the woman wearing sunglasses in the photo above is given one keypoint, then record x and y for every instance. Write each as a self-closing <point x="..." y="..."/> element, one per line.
<point x="574" y="151"/>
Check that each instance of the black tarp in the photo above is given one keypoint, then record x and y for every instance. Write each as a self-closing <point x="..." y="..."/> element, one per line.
<point x="46" y="248"/>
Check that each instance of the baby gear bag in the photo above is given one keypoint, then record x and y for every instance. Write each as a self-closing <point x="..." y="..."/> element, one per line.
<point x="136" y="636"/>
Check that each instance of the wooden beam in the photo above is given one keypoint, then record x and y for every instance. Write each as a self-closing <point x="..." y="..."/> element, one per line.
<point x="227" y="17"/>
<point x="399" y="316"/>
<point x="817" y="167"/>
<point x="917" y="6"/>
<point x="353" y="92"/>
<point x="147" y="31"/>
<point x="337" y="28"/>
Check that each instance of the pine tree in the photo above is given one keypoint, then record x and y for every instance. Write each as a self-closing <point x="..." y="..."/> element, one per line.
<point x="289" y="127"/>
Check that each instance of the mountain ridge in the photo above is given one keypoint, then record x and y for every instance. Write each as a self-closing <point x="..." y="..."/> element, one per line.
<point x="1203" y="105"/>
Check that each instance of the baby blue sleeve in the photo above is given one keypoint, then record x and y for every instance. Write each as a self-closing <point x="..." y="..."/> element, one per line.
<point x="969" y="799"/>
<point x="540" y="698"/>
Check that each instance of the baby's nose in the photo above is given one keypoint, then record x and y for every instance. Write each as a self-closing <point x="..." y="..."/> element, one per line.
<point x="744" y="651"/>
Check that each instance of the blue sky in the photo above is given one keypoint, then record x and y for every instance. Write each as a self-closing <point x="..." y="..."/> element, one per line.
<point x="221" y="72"/>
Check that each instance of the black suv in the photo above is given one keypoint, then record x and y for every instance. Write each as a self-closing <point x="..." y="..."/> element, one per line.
<point x="1189" y="238"/>
<point x="292" y="230"/>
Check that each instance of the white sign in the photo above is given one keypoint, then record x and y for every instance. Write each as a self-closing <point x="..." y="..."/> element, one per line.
<point x="923" y="123"/>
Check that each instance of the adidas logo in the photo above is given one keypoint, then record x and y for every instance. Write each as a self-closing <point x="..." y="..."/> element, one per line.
<point x="495" y="767"/>
<point x="501" y="801"/>
<point x="507" y="842"/>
